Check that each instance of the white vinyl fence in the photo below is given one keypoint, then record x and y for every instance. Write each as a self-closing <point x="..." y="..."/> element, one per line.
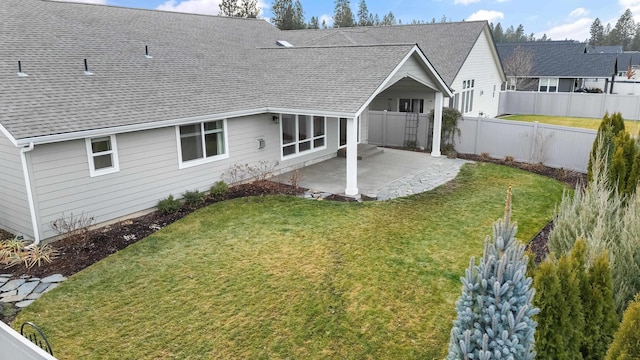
<point x="14" y="346"/>
<point x="569" y="104"/>
<point x="555" y="146"/>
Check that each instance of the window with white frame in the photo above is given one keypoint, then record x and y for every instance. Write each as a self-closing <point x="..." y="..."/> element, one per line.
<point x="202" y="142"/>
<point x="302" y="133"/>
<point x="548" y="85"/>
<point x="466" y="96"/>
<point x="103" y="155"/>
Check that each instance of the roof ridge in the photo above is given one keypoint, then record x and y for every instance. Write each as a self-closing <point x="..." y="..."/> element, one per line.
<point x="337" y="46"/>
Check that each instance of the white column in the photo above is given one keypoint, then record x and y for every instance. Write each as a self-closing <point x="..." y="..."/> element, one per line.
<point x="437" y="125"/>
<point x="352" y="158"/>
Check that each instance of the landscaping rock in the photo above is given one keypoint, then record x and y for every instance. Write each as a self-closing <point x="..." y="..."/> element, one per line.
<point x="41" y="287"/>
<point x="33" y="296"/>
<point x="51" y="287"/>
<point x="27" y="288"/>
<point x="56" y="278"/>
<point x="24" y="303"/>
<point x="12" y="285"/>
<point x="14" y="298"/>
<point x="7" y="294"/>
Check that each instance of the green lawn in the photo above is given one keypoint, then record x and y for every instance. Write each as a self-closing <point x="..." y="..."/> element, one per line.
<point x="587" y="123"/>
<point x="283" y="277"/>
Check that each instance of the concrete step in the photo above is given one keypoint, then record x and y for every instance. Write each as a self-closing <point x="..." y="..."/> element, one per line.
<point x="364" y="151"/>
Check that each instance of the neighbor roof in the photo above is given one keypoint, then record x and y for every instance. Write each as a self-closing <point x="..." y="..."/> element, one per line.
<point x="200" y="65"/>
<point x="561" y="59"/>
<point x="446" y="45"/>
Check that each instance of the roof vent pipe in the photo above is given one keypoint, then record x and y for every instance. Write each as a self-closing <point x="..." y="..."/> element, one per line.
<point x="86" y="68"/>
<point x="146" y="52"/>
<point x="20" y="73"/>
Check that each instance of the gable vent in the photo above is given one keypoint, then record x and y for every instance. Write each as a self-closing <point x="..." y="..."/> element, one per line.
<point x="20" y="73"/>
<point x="283" y="43"/>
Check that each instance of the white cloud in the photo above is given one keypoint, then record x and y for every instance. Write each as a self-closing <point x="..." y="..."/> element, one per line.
<point x="465" y="2"/>
<point x="633" y="5"/>
<point x="489" y="15"/>
<point x="101" y="2"/>
<point x="501" y="1"/>
<point x="579" y="12"/>
<point x="327" y="18"/>
<point x="577" y="30"/>
<point x="207" y="7"/>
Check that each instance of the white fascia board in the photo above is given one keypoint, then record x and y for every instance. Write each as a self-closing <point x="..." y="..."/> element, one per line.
<point x="165" y="123"/>
<point x="415" y="50"/>
<point x="6" y="133"/>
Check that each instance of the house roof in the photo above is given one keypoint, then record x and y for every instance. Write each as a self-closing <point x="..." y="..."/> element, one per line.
<point x="447" y="45"/>
<point x="628" y="58"/>
<point x="612" y="49"/>
<point x="561" y="59"/>
<point x="199" y="66"/>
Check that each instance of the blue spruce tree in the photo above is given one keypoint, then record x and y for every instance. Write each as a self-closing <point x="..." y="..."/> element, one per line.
<point x="494" y="310"/>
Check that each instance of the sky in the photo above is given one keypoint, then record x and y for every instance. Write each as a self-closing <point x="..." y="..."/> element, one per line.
<point x="558" y="19"/>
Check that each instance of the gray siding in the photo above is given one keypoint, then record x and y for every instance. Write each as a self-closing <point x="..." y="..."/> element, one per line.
<point x="14" y="211"/>
<point x="413" y="67"/>
<point x="149" y="170"/>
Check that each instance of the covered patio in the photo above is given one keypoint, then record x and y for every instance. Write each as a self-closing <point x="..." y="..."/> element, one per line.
<point x="390" y="174"/>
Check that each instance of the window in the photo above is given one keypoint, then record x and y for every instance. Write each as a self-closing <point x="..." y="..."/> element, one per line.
<point x="466" y="96"/>
<point x="202" y="142"/>
<point x="411" y="105"/>
<point x="548" y="85"/>
<point x="302" y="133"/>
<point x="103" y="155"/>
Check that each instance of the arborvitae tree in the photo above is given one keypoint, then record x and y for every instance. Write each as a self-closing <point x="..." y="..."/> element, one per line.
<point x="313" y="24"/>
<point x="549" y="337"/>
<point x="495" y="310"/>
<point x="601" y="319"/>
<point x="634" y="176"/>
<point x="561" y="319"/>
<point x="626" y="341"/>
<point x="597" y="33"/>
<point x="608" y="129"/>
<point x="342" y="15"/>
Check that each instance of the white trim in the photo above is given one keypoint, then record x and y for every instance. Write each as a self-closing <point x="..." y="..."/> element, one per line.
<point x="37" y="140"/>
<point x="296" y="143"/>
<point x="115" y="164"/>
<point x="27" y="183"/>
<point x="8" y="135"/>
<point x="383" y="85"/>
<point x="204" y="159"/>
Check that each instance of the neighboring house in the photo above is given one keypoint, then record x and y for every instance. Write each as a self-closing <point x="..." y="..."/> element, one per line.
<point x="556" y="66"/>
<point x="463" y="53"/>
<point x="106" y="110"/>
<point x="627" y="73"/>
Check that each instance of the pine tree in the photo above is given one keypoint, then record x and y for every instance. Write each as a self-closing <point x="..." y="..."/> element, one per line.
<point x="494" y="309"/>
<point x="388" y="19"/>
<point x="364" y="17"/>
<point x="623" y="32"/>
<point x="249" y="9"/>
<point x="498" y="33"/>
<point x="597" y="33"/>
<point x="313" y="23"/>
<point x="342" y="15"/>
<point x="626" y="341"/>
<point x="601" y="319"/>
<point x="288" y="15"/>
<point x="229" y="7"/>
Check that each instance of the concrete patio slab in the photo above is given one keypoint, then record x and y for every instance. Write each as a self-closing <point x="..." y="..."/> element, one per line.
<point x="388" y="175"/>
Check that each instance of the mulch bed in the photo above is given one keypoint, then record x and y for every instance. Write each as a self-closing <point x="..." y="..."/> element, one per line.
<point x="76" y="254"/>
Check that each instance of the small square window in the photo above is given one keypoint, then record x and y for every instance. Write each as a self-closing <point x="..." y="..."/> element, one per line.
<point x="102" y="155"/>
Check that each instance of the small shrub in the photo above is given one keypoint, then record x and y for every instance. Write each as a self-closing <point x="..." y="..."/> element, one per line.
<point x="73" y="228"/>
<point x="219" y="189"/>
<point x="484" y="155"/>
<point x="11" y="252"/>
<point x="39" y="254"/>
<point x="509" y="159"/>
<point x="296" y="177"/>
<point x="244" y="172"/>
<point x="14" y="252"/>
<point x="169" y="205"/>
<point x="626" y="341"/>
<point x="193" y="198"/>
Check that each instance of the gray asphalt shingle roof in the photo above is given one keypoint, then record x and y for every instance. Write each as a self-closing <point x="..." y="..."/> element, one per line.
<point x="201" y="65"/>
<point x="446" y="45"/>
<point x="561" y="59"/>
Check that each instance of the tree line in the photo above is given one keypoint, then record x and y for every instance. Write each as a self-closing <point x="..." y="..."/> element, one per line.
<point x="626" y="32"/>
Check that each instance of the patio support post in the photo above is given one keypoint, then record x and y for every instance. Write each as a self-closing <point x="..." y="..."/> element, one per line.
<point x="437" y="125"/>
<point x="352" y="158"/>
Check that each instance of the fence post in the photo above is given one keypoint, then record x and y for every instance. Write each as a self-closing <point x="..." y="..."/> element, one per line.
<point x="475" y="144"/>
<point x="384" y="127"/>
<point x="534" y="136"/>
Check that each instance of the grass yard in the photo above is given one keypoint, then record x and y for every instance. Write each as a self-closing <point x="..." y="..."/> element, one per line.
<point x="587" y="123"/>
<point x="283" y="277"/>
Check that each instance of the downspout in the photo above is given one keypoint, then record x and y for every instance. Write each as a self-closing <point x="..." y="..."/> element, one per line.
<point x="27" y="182"/>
